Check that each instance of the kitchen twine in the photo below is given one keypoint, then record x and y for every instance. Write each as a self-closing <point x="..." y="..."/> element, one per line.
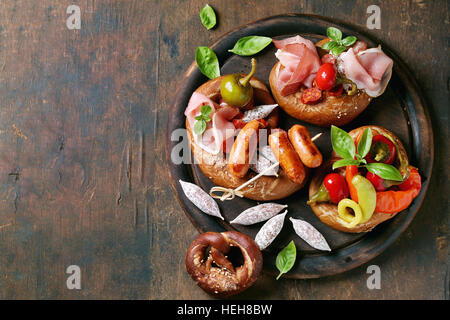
<point x="229" y="194"/>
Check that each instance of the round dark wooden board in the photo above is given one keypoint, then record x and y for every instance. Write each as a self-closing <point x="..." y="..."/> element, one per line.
<point x="400" y="109"/>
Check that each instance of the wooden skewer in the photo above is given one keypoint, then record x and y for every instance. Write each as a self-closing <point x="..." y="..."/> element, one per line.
<point x="229" y="194"/>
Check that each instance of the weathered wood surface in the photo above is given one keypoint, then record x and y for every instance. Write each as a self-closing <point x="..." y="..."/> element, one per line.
<point x="83" y="175"/>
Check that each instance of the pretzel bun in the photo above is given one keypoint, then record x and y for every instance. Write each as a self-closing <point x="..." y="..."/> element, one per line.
<point x="328" y="212"/>
<point x="213" y="272"/>
<point x="215" y="166"/>
<point x="328" y="111"/>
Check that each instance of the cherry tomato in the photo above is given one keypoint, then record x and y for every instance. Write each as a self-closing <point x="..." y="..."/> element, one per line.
<point x="382" y="150"/>
<point x="326" y="76"/>
<point x="377" y="182"/>
<point x="336" y="187"/>
<point x="311" y="95"/>
<point x="336" y="91"/>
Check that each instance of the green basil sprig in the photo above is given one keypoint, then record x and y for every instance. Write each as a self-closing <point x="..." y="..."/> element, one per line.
<point x="208" y="17"/>
<point x="207" y="62"/>
<point x="344" y="146"/>
<point x="250" y="45"/>
<point x="286" y="258"/>
<point x="202" y="119"/>
<point x="337" y="45"/>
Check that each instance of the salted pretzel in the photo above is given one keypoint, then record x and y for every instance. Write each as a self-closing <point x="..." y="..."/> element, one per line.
<point x="214" y="272"/>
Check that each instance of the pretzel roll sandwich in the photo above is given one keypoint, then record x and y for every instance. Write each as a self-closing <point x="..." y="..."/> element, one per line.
<point x="329" y="83"/>
<point x="229" y="121"/>
<point x="371" y="181"/>
<point x="208" y="263"/>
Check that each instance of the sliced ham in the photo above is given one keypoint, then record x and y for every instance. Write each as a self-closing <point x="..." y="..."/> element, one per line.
<point x="196" y="101"/>
<point x="375" y="61"/>
<point x="281" y="44"/>
<point x="287" y="59"/>
<point x="369" y="69"/>
<point x="359" y="46"/>
<point x="220" y="127"/>
<point x="301" y="62"/>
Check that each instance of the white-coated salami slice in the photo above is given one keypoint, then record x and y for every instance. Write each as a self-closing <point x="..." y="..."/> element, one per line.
<point x="201" y="199"/>
<point x="269" y="231"/>
<point x="261" y="164"/>
<point x="266" y="152"/>
<point x="259" y="213"/>
<point x="310" y="234"/>
<point x="263" y="160"/>
<point x="259" y="112"/>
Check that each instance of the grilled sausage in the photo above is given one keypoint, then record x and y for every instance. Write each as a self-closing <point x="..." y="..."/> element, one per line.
<point x="306" y="149"/>
<point x="241" y="153"/>
<point x="287" y="156"/>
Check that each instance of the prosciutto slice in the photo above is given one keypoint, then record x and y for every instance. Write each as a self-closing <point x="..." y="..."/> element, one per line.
<point x="220" y="127"/>
<point x="280" y="44"/>
<point x="369" y="69"/>
<point x="301" y="62"/>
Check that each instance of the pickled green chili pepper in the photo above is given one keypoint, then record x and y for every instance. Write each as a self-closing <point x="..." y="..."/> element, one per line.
<point x="349" y="220"/>
<point x="236" y="90"/>
<point x="343" y="80"/>
<point x="321" y="195"/>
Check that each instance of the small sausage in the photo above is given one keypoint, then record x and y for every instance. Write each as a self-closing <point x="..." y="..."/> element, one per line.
<point x="240" y="155"/>
<point x="306" y="149"/>
<point x="287" y="156"/>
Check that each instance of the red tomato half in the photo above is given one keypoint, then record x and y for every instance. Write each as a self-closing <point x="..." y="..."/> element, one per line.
<point x="311" y="95"/>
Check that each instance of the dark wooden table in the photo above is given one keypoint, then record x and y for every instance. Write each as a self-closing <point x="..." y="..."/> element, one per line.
<point x="83" y="175"/>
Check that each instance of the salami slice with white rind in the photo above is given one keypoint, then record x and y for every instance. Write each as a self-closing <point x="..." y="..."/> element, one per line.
<point x="269" y="231"/>
<point x="201" y="199"/>
<point x="310" y="234"/>
<point x="259" y="213"/>
<point x="259" y="112"/>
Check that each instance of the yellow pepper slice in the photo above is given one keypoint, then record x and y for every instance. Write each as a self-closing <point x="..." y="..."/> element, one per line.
<point x="367" y="196"/>
<point x="349" y="220"/>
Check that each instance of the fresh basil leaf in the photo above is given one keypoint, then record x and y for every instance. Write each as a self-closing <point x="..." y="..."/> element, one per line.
<point x="250" y="45"/>
<point x="342" y="143"/>
<point x="208" y="17"/>
<point x="330" y="45"/>
<point x="199" y="127"/>
<point x="206" y="110"/>
<point x="286" y="258"/>
<point x="207" y="62"/>
<point x="200" y="117"/>
<point x="334" y="33"/>
<point x="385" y="171"/>
<point x="206" y="118"/>
<point x="365" y="143"/>
<point x="348" y="41"/>
<point x="337" y="50"/>
<point x="345" y="162"/>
